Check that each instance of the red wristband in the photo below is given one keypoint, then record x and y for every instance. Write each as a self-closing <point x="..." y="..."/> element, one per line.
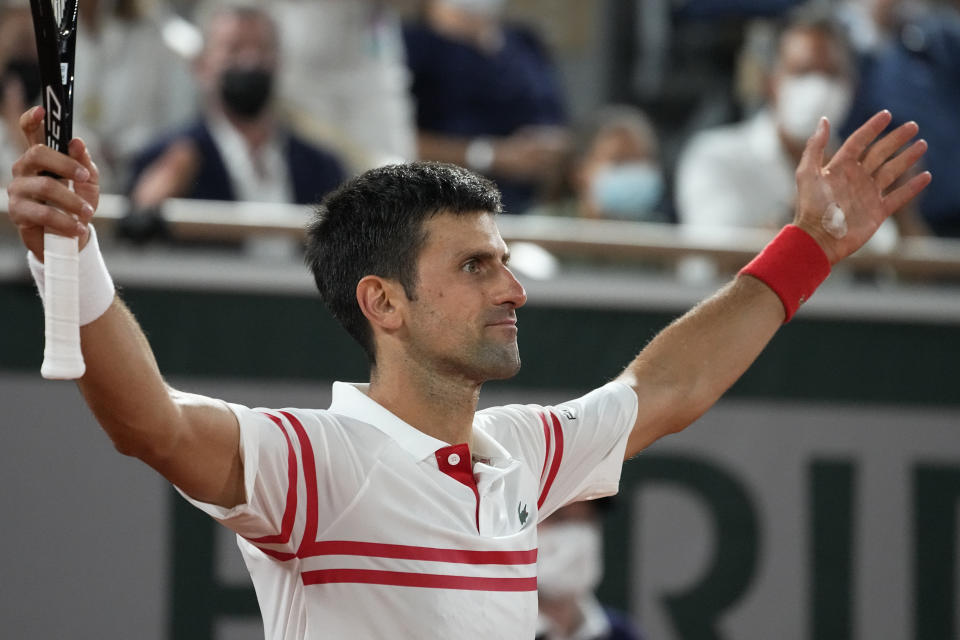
<point x="793" y="265"/>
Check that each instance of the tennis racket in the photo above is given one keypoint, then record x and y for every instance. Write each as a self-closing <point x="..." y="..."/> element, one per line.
<point x="55" y="24"/>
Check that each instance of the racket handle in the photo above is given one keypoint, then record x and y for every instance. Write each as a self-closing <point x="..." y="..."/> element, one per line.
<point x="62" y="358"/>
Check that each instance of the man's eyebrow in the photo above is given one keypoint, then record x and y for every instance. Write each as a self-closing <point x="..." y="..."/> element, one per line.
<point x="486" y="254"/>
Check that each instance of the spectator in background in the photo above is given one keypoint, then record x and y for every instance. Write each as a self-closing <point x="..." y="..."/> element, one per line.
<point x="487" y="96"/>
<point x="915" y="73"/>
<point x="130" y="85"/>
<point x="19" y="83"/>
<point x="237" y="149"/>
<point x="742" y="175"/>
<point x="346" y="76"/>
<point x="611" y="170"/>
<point x="569" y="569"/>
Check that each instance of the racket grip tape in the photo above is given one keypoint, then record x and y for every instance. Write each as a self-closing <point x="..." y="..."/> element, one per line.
<point x="62" y="358"/>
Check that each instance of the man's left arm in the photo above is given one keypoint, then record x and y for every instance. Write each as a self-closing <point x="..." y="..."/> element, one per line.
<point x="691" y="363"/>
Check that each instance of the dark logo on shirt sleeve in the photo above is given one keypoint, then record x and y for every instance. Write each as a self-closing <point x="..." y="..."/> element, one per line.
<point x="522" y="514"/>
<point x="568" y="412"/>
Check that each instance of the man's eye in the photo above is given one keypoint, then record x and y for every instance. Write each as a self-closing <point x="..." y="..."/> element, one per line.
<point x="471" y="266"/>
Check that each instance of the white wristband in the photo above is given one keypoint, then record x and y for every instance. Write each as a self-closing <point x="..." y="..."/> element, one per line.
<point x="96" y="285"/>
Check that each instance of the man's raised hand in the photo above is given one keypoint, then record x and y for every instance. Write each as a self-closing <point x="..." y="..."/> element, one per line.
<point x="858" y="180"/>
<point x="38" y="201"/>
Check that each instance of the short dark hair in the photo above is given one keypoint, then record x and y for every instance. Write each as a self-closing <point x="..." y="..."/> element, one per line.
<point x="813" y="17"/>
<point x="373" y="225"/>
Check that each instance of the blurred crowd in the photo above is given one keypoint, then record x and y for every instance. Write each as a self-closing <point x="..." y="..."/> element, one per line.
<point x="702" y="123"/>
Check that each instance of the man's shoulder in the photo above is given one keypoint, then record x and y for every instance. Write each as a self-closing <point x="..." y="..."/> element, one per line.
<point x="315" y="426"/>
<point x="316" y="170"/>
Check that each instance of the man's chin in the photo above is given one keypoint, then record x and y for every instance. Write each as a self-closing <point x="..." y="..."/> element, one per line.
<point x="506" y="373"/>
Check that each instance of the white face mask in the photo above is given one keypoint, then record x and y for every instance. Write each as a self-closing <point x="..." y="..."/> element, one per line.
<point x="569" y="558"/>
<point x="802" y="100"/>
<point x="628" y="191"/>
<point x="480" y="7"/>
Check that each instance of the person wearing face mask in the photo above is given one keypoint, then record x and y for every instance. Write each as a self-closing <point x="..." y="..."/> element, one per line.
<point x="742" y="175"/>
<point x="611" y="170"/>
<point x="569" y="569"/>
<point x="239" y="149"/>
<point x="486" y="95"/>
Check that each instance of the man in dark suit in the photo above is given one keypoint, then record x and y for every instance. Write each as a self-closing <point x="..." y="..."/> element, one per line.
<point x="237" y="149"/>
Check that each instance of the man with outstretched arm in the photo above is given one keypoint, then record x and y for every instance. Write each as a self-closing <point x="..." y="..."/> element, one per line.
<point x="401" y="507"/>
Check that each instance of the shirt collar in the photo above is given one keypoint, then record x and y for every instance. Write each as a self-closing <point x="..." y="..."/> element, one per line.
<point x="351" y="400"/>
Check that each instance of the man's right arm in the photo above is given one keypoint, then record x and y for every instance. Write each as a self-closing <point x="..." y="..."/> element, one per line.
<point x="192" y="441"/>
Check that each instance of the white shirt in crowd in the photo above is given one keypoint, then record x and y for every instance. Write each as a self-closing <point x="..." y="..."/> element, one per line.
<point x="256" y="176"/>
<point x="740" y="176"/>
<point x="737" y="175"/>
<point x="359" y="525"/>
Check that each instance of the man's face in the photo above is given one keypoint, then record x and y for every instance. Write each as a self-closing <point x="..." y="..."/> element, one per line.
<point x="244" y="41"/>
<point x="812" y="79"/>
<point x="463" y="320"/>
<point x="804" y="51"/>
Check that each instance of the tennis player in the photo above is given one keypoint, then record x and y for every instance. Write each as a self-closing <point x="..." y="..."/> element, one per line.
<point x="402" y="511"/>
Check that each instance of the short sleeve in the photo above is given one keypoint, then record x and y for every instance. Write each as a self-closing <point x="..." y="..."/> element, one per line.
<point x="271" y="455"/>
<point x="576" y="447"/>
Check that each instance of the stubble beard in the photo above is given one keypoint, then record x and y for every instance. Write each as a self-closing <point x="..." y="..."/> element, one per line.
<point x="485" y="361"/>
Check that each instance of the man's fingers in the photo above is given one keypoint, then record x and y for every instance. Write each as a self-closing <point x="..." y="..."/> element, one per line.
<point x="896" y="199"/>
<point x="49" y="191"/>
<point x="891" y="171"/>
<point x="812" y="158"/>
<point x="40" y="158"/>
<point x="859" y="140"/>
<point x="888" y="145"/>
<point x="78" y="151"/>
<point x="34" y="214"/>
<point x="31" y="124"/>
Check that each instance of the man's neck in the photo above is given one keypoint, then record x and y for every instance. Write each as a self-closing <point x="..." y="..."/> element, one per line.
<point x="440" y="406"/>
<point x="256" y="132"/>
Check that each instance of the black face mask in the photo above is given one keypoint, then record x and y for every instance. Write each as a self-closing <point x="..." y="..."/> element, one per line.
<point x="28" y="73"/>
<point x="246" y="92"/>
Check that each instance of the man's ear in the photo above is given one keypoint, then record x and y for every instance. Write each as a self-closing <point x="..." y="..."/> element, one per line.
<point x="381" y="301"/>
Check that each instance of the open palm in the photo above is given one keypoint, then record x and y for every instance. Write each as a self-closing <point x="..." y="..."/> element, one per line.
<point x="858" y="179"/>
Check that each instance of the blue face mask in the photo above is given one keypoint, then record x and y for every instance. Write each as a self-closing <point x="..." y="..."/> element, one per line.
<point x="628" y="191"/>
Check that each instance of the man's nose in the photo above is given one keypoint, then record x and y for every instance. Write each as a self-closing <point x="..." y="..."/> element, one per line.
<point x="513" y="291"/>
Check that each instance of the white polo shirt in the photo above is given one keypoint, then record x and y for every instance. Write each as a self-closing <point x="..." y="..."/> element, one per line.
<point x="358" y="525"/>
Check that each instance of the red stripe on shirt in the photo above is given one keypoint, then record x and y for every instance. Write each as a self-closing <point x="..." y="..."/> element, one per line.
<point x="290" y="509"/>
<point x="546" y="450"/>
<point x="310" y="479"/>
<point x="278" y="555"/>
<point x="557" y="456"/>
<point x="424" y="580"/>
<point x="407" y="552"/>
